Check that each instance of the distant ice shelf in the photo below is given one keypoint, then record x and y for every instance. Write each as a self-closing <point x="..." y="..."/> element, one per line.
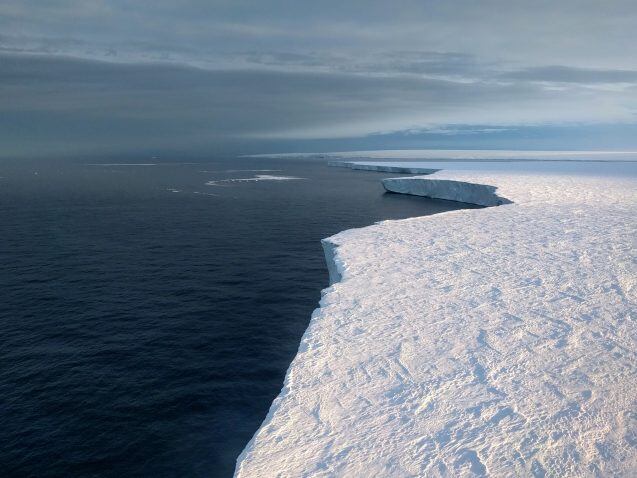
<point x="465" y="155"/>
<point x="499" y="341"/>
<point x="383" y="167"/>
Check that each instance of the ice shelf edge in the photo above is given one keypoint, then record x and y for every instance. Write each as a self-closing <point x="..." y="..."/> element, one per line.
<point x="480" y="194"/>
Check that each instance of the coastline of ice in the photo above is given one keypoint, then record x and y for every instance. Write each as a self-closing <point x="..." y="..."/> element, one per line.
<point x="334" y="266"/>
<point x="480" y="194"/>
<point x="497" y="341"/>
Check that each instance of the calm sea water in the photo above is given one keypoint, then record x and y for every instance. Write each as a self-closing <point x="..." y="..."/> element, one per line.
<point x="147" y="319"/>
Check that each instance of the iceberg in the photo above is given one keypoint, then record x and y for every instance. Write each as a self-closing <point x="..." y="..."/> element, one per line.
<point x="498" y="341"/>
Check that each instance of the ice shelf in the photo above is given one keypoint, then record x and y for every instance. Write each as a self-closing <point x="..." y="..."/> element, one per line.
<point x="499" y="341"/>
<point x="382" y="167"/>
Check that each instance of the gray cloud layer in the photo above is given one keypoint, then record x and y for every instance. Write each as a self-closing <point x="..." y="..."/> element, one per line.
<point x="227" y="71"/>
<point x="582" y="33"/>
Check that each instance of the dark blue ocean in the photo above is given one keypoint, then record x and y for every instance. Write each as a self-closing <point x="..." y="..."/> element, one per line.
<point x="147" y="319"/>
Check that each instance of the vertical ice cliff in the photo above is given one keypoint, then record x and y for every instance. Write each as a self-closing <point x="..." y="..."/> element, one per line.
<point x="481" y="194"/>
<point x="329" y="249"/>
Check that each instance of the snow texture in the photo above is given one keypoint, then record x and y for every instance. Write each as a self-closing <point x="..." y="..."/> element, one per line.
<point x="483" y="342"/>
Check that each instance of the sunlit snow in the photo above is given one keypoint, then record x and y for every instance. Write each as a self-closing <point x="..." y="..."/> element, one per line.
<point x="497" y="341"/>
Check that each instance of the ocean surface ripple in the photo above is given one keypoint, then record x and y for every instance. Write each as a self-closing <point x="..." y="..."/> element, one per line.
<point x="148" y="319"/>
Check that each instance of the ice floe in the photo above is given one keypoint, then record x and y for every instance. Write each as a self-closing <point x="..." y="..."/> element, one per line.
<point x="497" y="341"/>
<point x="239" y="170"/>
<point x="257" y="178"/>
<point x="121" y="164"/>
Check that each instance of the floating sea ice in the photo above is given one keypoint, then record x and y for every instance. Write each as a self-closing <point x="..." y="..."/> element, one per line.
<point x="258" y="177"/>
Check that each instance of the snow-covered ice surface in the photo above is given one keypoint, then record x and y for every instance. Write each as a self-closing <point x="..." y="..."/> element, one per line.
<point x="497" y="341"/>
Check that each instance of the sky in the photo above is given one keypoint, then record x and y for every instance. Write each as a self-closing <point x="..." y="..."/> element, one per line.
<point x="97" y="77"/>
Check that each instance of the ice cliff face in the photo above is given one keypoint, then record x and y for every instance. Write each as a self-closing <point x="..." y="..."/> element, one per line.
<point x="333" y="264"/>
<point x="481" y="194"/>
<point x="498" y="341"/>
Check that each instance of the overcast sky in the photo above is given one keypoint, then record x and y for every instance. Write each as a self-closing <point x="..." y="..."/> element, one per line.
<point x="82" y="76"/>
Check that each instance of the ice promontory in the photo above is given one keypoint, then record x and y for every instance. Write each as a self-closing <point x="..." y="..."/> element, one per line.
<point x="481" y="194"/>
<point x="485" y="342"/>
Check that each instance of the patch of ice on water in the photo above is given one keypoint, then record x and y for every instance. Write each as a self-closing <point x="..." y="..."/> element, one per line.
<point x="121" y="164"/>
<point x="241" y="171"/>
<point x="257" y="178"/>
<point x="204" y="194"/>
